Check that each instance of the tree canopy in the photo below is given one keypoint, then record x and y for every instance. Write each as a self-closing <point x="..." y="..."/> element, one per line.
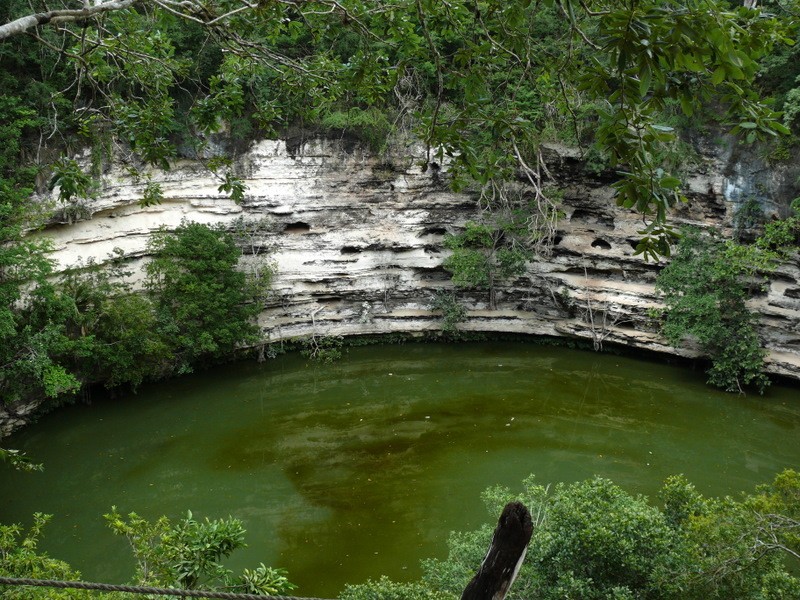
<point x="592" y="540"/>
<point x="481" y="81"/>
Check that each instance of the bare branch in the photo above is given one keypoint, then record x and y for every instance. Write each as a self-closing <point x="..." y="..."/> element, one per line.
<point x="22" y="24"/>
<point x="437" y="59"/>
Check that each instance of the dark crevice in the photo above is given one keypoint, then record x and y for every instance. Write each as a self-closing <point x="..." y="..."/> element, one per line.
<point x="602" y="244"/>
<point x="298" y="227"/>
<point x="591" y="218"/>
<point x="433" y="231"/>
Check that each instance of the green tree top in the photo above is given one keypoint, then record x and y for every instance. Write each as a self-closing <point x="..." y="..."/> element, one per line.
<point x="484" y="81"/>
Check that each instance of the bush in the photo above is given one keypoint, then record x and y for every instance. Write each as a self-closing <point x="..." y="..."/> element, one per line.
<point x="204" y="307"/>
<point x="20" y="557"/>
<point x="385" y="589"/>
<point x="705" y="288"/>
<point x="371" y="125"/>
<point x="484" y="254"/>
<point x="453" y="312"/>
<point x="594" y="541"/>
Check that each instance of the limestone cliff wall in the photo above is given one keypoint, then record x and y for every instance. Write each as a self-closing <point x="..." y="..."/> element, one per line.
<point x="357" y="242"/>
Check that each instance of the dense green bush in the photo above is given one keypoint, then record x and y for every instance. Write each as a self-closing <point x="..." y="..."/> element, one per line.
<point x="591" y="541"/>
<point x="89" y="326"/>
<point x="21" y="557"/>
<point x="594" y="541"/>
<point x="453" y="312"/>
<point x="204" y="306"/>
<point x="705" y="288"/>
<point x="186" y="554"/>
<point x="485" y="254"/>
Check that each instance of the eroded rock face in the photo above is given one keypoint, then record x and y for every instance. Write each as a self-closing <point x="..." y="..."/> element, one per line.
<point x="357" y="242"/>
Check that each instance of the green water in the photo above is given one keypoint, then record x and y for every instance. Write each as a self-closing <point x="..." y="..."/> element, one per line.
<point x="361" y="468"/>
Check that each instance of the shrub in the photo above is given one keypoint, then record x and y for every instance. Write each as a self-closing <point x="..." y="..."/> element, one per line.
<point x="705" y="288"/>
<point x="203" y="304"/>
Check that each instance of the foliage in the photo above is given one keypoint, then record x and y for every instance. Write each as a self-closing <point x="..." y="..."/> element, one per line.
<point x="783" y="235"/>
<point x="322" y="348"/>
<point x="71" y="181"/>
<point x="265" y="581"/>
<point x="482" y="84"/>
<point x="89" y="325"/>
<point x="233" y="186"/>
<point x="20" y="557"/>
<point x="19" y="460"/>
<point x="705" y="290"/>
<point x="453" y="312"/>
<point x="184" y="554"/>
<point x="484" y="254"/>
<point x="187" y="553"/>
<point x="27" y="365"/>
<point x="386" y="589"/>
<point x="691" y="53"/>
<point x="202" y="303"/>
<point x="592" y="540"/>
<point x="371" y="125"/>
<point x="152" y="194"/>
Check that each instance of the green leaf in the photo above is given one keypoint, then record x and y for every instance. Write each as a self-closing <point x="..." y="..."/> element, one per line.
<point x="693" y="62"/>
<point x="780" y="128"/>
<point x="645" y="79"/>
<point x="686" y="106"/>
<point x="735" y="59"/>
<point x="669" y="182"/>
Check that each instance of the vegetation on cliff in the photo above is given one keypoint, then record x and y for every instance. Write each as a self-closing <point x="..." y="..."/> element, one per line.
<point x="706" y="289"/>
<point x="89" y="326"/>
<point x="483" y="82"/>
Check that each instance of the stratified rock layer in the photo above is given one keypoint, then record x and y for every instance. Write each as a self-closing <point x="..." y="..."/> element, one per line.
<point x="357" y="242"/>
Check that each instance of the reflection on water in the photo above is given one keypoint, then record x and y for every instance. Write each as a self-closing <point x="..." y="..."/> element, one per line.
<point x="361" y="468"/>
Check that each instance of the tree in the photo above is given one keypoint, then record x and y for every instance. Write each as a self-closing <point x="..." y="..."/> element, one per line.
<point x="485" y="82"/>
<point x="483" y="255"/>
<point x="593" y="540"/>
<point x="185" y="553"/>
<point x="705" y="289"/>
<point x="21" y="557"/>
<point x="66" y="15"/>
<point x="204" y="305"/>
<point x="188" y="552"/>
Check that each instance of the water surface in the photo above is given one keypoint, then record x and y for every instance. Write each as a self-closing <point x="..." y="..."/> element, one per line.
<point x="361" y="468"/>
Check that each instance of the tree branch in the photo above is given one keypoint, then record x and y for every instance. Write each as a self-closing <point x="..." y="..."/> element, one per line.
<point x="22" y="24"/>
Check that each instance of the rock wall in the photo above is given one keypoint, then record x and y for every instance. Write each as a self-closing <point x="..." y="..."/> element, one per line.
<point x="357" y="242"/>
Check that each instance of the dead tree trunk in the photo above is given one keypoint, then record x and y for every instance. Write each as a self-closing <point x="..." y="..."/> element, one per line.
<point x="503" y="560"/>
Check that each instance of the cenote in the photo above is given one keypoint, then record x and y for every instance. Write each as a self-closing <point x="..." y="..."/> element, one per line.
<point x="347" y="471"/>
